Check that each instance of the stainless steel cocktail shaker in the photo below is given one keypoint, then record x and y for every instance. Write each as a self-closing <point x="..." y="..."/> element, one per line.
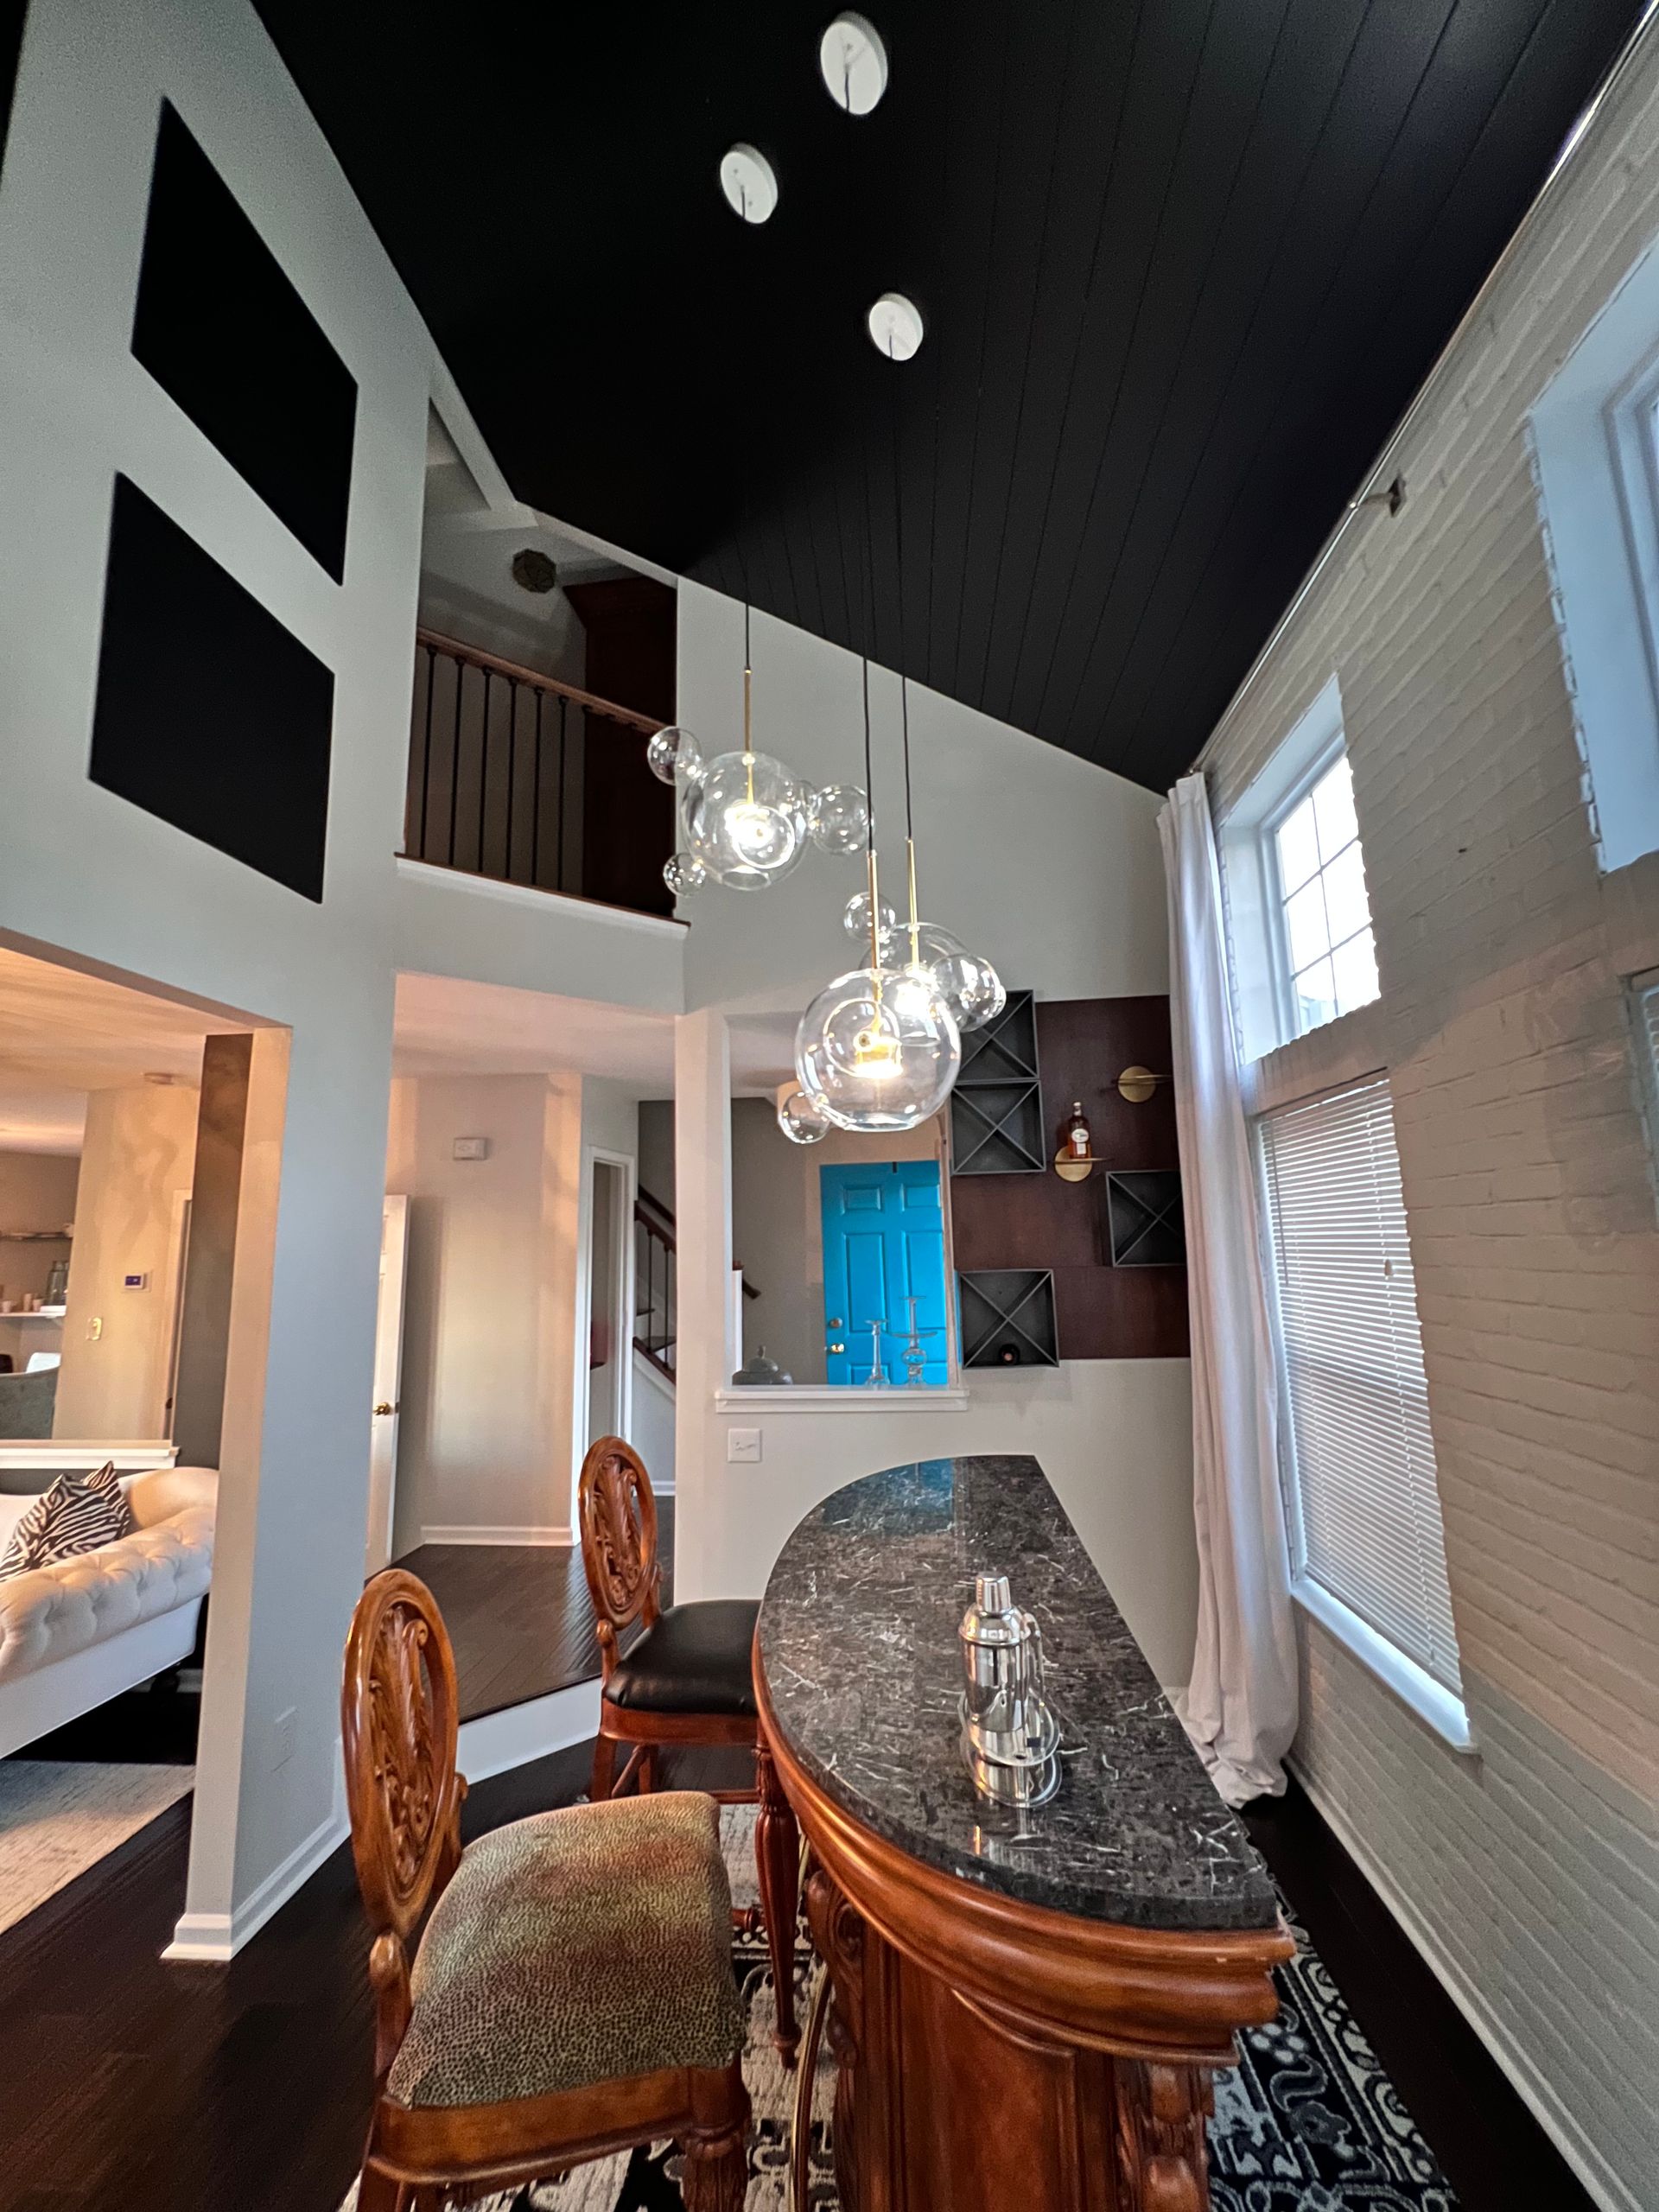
<point x="1010" y="1737"/>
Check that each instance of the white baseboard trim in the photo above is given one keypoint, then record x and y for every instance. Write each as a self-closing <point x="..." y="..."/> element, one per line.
<point x="212" y="1937"/>
<point x="488" y="1745"/>
<point x="1523" y="2077"/>
<point x="518" y="1733"/>
<point x="474" y="1535"/>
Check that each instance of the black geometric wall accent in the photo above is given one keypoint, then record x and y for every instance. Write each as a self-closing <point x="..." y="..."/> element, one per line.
<point x="209" y="713"/>
<point x="222" y="330"/>
<point x="1007" y="1317"/>
<point x="1144" y="1218"/>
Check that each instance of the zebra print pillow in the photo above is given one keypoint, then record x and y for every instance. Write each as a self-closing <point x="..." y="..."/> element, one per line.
<point x="77" y="1514"/>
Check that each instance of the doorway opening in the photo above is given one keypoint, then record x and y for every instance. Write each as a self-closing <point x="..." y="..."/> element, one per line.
<point x="609" y="1317"/>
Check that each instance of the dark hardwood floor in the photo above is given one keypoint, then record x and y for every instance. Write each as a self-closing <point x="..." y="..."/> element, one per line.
<point x="519" y="1616"/>
<point x="134" y="2087"/>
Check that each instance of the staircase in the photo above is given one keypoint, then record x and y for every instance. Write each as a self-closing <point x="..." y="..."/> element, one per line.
<point x="654" y="1272"/>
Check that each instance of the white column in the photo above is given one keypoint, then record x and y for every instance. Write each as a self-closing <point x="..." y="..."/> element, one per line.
<point x="702" y="1207"/>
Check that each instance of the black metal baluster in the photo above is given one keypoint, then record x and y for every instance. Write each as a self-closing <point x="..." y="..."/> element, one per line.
<point x="512" y="762"/>
<point x="455" y="760"/>
<point x="483" y="768"/>
<point x="535" y="811"/>
<point x="558" y="880"/>
<point x="426" y="752"/>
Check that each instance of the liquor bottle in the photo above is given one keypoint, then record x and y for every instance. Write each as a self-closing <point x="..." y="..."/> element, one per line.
<point x="1078" y="1143"/>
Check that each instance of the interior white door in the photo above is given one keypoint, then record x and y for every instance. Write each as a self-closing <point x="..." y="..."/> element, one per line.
<point x="388" y="1381"/>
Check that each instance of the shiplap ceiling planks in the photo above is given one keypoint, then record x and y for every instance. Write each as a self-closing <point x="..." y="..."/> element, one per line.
<point x="1182" y="263"/>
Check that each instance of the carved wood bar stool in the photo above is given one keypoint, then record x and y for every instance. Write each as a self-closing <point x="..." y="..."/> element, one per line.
<point x="572" y="1993"/>
<point x="687" y="1678"/>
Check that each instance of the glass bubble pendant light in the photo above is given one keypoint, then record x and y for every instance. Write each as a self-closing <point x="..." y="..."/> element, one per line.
<point x="878" y="1045"/>
<point x="804" y="1119"/>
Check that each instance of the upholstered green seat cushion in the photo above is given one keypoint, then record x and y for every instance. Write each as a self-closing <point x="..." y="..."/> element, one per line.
<point x="575" y="1947"/>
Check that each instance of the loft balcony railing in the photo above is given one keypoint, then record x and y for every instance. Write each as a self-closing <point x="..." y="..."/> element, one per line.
<point x="498" y="759"/>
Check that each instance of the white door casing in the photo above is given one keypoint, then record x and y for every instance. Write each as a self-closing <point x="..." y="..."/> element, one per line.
<point x="388" y="1381"/>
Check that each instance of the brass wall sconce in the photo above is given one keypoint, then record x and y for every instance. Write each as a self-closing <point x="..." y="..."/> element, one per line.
<point x="1137" y="1084"/>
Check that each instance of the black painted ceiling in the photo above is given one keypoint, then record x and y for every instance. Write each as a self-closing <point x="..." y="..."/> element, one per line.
<point x="1183" y="263"/>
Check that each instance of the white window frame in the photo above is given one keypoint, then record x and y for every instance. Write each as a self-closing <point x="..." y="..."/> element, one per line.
<point x="1598" y="481"/>
<point x="1642" y="1005"/>
<point x="1274" y="894"/>
<point x="1262" y="972"/>
<point x="1440" y="1707"/>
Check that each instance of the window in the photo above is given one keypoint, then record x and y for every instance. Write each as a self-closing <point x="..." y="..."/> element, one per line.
<point x="1368" y="1550"/>
<point x="1323" y="912"/>
<point x="1642" y="995"/>
<point x="1298" y="914"/>
<point x="1593" y="436"/>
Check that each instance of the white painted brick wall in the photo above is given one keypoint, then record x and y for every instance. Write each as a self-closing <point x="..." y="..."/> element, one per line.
<point x="1531" y="1875"/>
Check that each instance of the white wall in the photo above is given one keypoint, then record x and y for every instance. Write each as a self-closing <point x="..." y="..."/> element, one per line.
<point x="1047" y="864"/>
<point x="37" y="1191"/>
<point x="138" y="1156"/>
<point x="1529" y="1875"/>
<point x="1051" y="866"/>
<point x="483" y="1433"/>
<point x="105" y="883"/>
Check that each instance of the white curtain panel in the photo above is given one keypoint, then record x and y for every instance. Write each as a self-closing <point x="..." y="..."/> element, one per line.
<point x="1240" y="1707"/>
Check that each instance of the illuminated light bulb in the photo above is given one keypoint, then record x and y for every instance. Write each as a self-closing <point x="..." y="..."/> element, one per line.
<point x="745" y="820"/>
<point x="674" y="754"/>
<point x="803" y="1119"/>
<point x="879" y="1048"/>
<point x="970" y="986"/>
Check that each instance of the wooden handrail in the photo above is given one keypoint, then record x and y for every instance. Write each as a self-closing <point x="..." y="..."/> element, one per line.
<point x="648" y="725"/>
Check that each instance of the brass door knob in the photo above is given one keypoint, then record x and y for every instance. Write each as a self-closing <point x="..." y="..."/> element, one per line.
<point x="384" y="1409"/>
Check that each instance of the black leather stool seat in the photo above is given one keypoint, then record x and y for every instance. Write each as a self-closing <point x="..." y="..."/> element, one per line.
<point x="692" y="1659"/>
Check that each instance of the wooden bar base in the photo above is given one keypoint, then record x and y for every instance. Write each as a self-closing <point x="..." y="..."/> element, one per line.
<point x="996" y="2056"/>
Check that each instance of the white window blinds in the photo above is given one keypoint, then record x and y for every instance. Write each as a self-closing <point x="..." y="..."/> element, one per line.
<point x="1365" y="1513"/>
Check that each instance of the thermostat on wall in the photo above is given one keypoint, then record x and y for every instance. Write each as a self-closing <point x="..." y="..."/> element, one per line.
<point x="472" y="1148"/>
<point x="136" y="1282"/>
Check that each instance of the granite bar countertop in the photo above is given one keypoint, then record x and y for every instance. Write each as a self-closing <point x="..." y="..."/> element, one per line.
<point x="858" y="1646"/>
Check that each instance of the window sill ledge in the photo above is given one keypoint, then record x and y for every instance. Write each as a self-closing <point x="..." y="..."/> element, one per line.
<point x="828" y="1398"/>
<point x="1442" y="1708"/>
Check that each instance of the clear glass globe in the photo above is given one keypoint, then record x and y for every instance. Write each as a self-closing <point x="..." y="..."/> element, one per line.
<point x="879" y="1047"/>
<point x="988" y="1000"/>
<point x="683" y="873"/>
<point x="970" y="987"/>
<point x="856" y="920"/>
<point x="674" y="755"/>
<point x="839" y="820"/>
<point x="803" y="1120"/>
<point x="745" y="820"/>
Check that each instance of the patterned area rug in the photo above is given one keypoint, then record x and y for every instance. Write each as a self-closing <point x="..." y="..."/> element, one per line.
<point x="1307" y="2122"/>
<point x="59" y="1816"/>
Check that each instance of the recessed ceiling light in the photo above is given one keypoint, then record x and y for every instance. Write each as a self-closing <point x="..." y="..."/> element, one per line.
<point x="895" y="325"/>
<point x="749" y="183"/>
<point x="854" y="62"/>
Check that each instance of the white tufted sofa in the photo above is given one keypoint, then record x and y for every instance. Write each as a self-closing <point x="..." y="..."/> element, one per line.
<point x="78" y="1632"/>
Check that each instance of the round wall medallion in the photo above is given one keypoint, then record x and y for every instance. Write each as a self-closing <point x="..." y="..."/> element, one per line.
<point x="854" y="62"/>
<point x="895" y="326"/>
<point x="749" y="182"/>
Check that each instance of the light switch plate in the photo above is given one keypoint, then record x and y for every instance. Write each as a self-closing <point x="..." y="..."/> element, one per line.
<point x="742" y="1447"/>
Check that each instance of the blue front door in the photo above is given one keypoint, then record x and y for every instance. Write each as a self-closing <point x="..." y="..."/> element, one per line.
<point x="883" y="1241"/>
